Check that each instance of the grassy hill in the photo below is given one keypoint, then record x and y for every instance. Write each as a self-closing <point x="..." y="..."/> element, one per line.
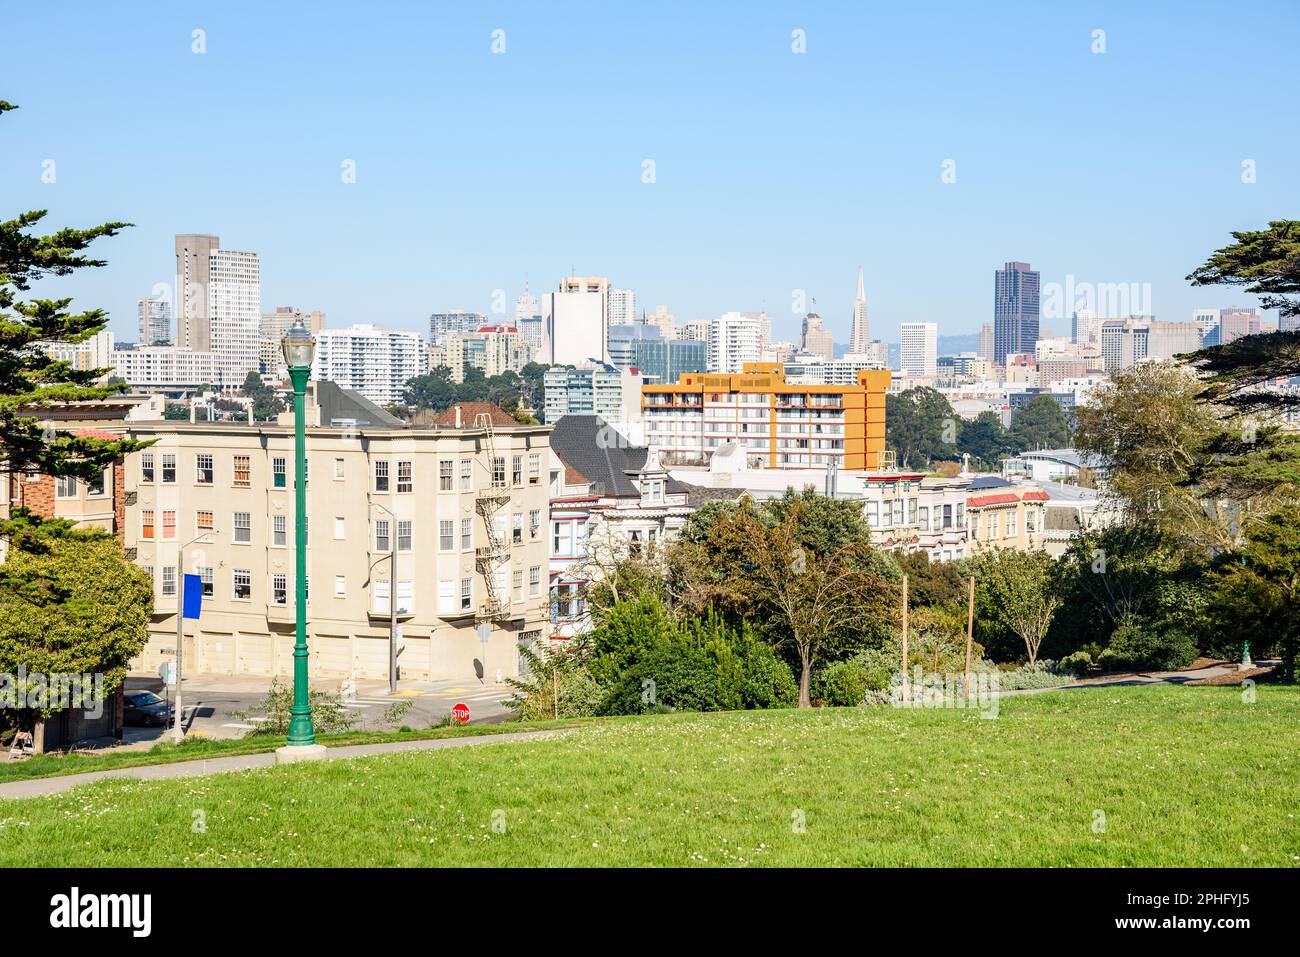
<point x="1108" y="776"/>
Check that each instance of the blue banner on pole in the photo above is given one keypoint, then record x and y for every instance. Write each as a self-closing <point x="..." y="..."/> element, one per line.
<point x="193" y="597"/>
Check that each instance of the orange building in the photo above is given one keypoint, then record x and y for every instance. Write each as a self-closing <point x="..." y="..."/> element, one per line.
<point x="779" y="425"/>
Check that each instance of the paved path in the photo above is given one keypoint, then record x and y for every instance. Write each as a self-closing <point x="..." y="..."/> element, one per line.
<point x="38" y="787"/>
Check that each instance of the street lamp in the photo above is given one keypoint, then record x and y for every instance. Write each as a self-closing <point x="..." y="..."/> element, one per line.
<point x="298" y="347"/>
<point x="392" y="597"/>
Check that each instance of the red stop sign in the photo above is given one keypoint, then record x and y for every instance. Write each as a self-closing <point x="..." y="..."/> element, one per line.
<point x="460" y="712"/>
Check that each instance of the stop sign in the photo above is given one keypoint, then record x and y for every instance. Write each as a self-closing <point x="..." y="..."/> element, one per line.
<point x="460" y="712"/>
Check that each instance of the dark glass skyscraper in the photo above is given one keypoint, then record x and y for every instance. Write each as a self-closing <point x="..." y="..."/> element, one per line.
<point x="1015" y="311"/>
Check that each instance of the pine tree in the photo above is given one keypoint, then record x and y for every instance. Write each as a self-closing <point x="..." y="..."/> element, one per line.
<point x="31" y="381"/>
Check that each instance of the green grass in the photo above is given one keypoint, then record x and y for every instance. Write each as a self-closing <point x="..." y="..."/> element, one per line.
<point x="1184" y="776"/>
<point x="196" y="748"/>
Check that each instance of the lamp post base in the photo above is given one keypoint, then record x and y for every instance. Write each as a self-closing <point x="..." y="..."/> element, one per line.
<point x="291" y="753"/>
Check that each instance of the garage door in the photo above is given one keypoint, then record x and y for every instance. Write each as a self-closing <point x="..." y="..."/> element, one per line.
<point x="254" y="655"/>
<point x="217" y="653"/>
<point x="331" y="657"/>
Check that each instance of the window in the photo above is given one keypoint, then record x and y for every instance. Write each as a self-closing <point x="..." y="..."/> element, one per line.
<point x="498" y="471"/>
<point x="243" y="471"/>
<point x="96" y="485"/>
<point x="911" y="511"/>
<point x="278" y="523"/>
<point x="445" y="475"/>
<point x="873" y="514"/>
<point x="467" y="475"/>
<point x="203" y="471"/>
<point x="517" y="583"/>
<point x="404" y="481"/>
<point x="338" y="470"/>
<point x="517" y="529"/>
<point x="1011" y="524"/>
<point x="381" y="476"/>
<point x="339" y="527"/>
<point x="517" y="470"/>
<point x="947" y="516"/>
<point x="994" y="523"/>
<point x="381" y="535"/>
<point x="340" y="586"/>
<point x="446" y="535"/>
<point x="1030" y="522"/>
<point x="534" y="522"/>
<point x="975" y="525"/>
<point x="467" y="534"/>
<point x="243" y="584"/>
<point x="243" y="527"/>
<point x="446" y="597"/>
<point x="205" y="580"/>
<point x="169" y="580"/>
<point x="169" y="468"/>
<point x="466" y="593"/>
<point x="535" y="580"/>
<point x="405" y="597"/>
<point x="961" y="514"/>
<point x="405" y="532"/>
<point x="148" y="570"/>
<point x="203" y="522"/>
<point x="279" y="472"/>
<point x="169" y="524"/>
<point x="146" y="467"/>
<point x="279" y="590"/>
<point x="534" y="468"/>
<point x="65" y="487"/>
<point x="561" y="538"/>
<point x="924" y="521"/>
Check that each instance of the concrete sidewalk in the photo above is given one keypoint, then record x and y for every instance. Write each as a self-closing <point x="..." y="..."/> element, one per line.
<point x="39" y="787"/>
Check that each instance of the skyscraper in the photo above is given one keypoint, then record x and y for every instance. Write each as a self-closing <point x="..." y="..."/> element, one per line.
<point x="734" y="339"/>
<point x="443" y="324"/>
<point x="918" y="351"/>
<point x="193" y="261"/>
<point x="815" y="339"/>
<point x="1237" y="322"/>
<point x="234" y="312"/>
<point x="860" y="335"/>
<point x="373" y="361"/>
<point x="986" y="341"/>
<point x="575" y="321"/>
<point x="1015" y="310"/>
<point x="155" y="321"/>
<point x="622" y="307"/>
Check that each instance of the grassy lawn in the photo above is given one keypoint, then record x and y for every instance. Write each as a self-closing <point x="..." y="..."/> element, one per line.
<point x="196" y="748"/>
<point x="1183" y="776"/>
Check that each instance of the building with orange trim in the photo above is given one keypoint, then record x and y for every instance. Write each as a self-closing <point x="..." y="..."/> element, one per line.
<point x="778" y="424"/>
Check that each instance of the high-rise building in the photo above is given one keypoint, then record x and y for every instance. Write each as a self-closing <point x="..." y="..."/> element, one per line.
<point x="665" y="320"/>
<point x="1237" y="322"/>
<point x="234" y="313"/>
<point x="155" y="321"/>
<point x="860" y="335"/>
<point x="1126" y="342"/>
<point x="1287" y="323"/>
<point x="986" y="341"/>
<point x="816" y="340"/>
<point x="528" y="317"/>
<point x="193" y="262"/>
<point x="918" y="349"/>
<point x="592" y="389"/>
<point x="622" y="307"/>
<point x="697" y="329"/>
<point x="667" y="360"/>
<point x="443" y="324"/>
<point x="734" y="339"/>
<point x="271" y="333"/>
<point x="1085" y="326"/>
<point x="491" y="349"/>
<point x="575" y="321"/>
<point x="1207" y="320"/>
<point x="1015" y="310"/>
<point x="778" y="424"/>
<point x="374" y="362"/>
<point x="623" y="339"/>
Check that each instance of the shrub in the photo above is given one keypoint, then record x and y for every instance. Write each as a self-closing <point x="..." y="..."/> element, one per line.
<point x="1079" y="663"/>
<point x="557" y="684"/>
<point x="1041" y="674"/>
<point x="1137" y="644"/>
<point x="328" y="716"/>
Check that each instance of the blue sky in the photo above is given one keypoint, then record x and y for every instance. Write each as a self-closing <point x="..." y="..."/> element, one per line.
<point x="774" y="171"/>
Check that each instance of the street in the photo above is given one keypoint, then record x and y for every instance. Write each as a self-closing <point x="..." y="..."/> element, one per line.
<point x="210" y="703"/>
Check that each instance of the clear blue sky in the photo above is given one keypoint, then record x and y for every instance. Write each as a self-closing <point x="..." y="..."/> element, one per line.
<point x="775" y="171"/>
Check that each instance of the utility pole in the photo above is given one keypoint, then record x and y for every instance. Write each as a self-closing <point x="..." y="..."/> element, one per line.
<point x="970" y="635"/>
<point x="178" y="733"/>
<point x="906" y="694"/>
<point x="392" y="598"/>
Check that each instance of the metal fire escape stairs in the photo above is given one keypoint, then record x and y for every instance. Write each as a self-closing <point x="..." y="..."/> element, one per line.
<point x="489" y="501"/>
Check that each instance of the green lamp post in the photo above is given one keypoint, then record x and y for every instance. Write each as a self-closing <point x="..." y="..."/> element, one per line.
<point x="298" y="347"/>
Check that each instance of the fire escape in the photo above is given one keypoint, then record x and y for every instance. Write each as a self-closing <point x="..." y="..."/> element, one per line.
<point x="489" y="501"/>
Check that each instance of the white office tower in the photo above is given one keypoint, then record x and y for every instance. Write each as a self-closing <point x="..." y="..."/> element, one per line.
<point x="734" y="339"/>
<point x="528" y="316"/>
<point x="860" y="334"/>
<point x="695" y="329"/>
<point x="575" y="323"/>
<point x="919" y="349"/>
<point x="234" y="313"/>
<point x="622" y="307"/>
<point x="155" y="321"/>
<point x="1207" y="320"/>
<point x="373" y="361"/>
<point x="1085" y="327"/>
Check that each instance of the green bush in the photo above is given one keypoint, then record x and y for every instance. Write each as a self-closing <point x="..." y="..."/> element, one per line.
<point x="271" y="715"/>
<point x="1137" y="644"/>
<point x="1041" y="674"/>
<point x="1079" y="663"/>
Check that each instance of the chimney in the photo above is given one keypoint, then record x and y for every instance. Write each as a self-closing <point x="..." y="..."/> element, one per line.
<point x="458" y="422"/>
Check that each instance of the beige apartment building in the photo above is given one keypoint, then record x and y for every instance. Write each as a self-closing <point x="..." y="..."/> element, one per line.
<point x="1002" y="515"/>
<point x="463" y="501"/>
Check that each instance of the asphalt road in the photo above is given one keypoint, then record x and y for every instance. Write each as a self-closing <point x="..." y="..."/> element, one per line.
<point x="211" y="702"/>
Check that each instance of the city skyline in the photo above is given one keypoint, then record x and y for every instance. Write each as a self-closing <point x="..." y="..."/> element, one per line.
<point x="1104" y="135"/>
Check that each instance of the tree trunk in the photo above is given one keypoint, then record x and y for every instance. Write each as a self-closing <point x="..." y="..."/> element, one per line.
<point x="805" y="680"/>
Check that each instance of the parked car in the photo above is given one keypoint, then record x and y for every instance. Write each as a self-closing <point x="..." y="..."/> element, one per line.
<point x="146" y="709"/>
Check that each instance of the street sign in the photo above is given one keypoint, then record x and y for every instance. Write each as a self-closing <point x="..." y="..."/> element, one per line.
<point x="167" y="672"/>
<point x="460" y="712"/>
